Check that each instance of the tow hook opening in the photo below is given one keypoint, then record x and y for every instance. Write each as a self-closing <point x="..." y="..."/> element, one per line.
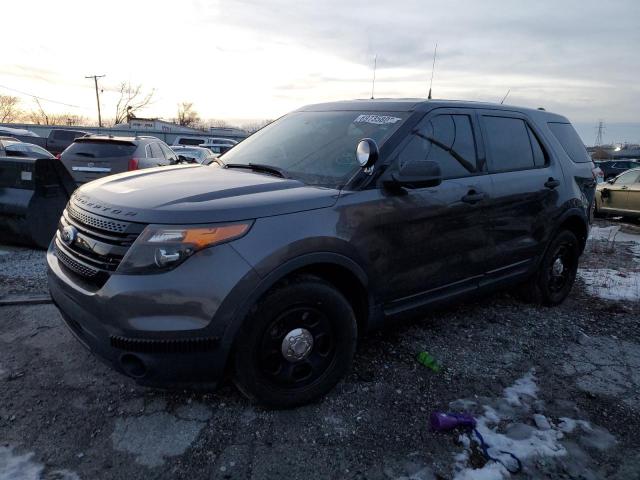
<point x="133" y="365"/>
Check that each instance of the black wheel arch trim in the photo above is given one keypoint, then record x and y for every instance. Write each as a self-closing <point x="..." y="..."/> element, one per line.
<point x="279" y="273"/>
<point x="573" y="212"/>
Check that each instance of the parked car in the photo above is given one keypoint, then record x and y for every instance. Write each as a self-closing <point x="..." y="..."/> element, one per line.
<point x="193" y="154"/>
<point x="620" y="195"/>
<point x="17" y="132"/>
<point x="613" y="168"/>
<point x="95" y="156"/>
<point x="192" y="140"/>
<point x="15" y="148"/>
<point x="317" y="228"/>
<point x="217" y="148"/>
<point x="57" y="140"/>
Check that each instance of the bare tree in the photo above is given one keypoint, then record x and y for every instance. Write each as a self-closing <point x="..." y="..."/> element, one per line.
<point x="255" y="125"/>
<point x="9" y="110"/>
<point x="187" y="116"/>
<point x="39" y="116"/>
<point x="132" y="99"/>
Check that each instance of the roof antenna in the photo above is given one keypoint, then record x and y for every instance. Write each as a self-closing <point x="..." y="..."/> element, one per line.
<point x="433" y="68"/>
<point x="375" y="64"/>
<point x="505" y="97"/>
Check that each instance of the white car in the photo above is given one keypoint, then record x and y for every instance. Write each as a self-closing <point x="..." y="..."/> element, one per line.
<point x="217" y="148"/>
<point x="198" y="141"/>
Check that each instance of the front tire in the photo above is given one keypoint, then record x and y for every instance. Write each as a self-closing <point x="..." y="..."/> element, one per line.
<point x="295" y="344"/>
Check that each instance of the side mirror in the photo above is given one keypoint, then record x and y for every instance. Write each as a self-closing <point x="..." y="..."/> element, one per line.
<point x="611" y="180"/>
<point x="367" y="152"/>
<point x="416" y="174"/>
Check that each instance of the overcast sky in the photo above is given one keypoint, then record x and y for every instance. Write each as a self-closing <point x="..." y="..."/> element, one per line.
<point x="260" y="59"/>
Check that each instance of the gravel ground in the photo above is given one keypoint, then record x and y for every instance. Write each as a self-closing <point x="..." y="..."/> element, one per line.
<point x="560" y="388"/>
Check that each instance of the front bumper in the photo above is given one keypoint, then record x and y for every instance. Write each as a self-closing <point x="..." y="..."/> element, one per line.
<point x="164" y="329"/>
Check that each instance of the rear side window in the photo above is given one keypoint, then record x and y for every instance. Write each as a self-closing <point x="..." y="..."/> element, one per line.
<point x="190" y="141"/>
<point x="168" y="153"/>
<point x="100" y="149"/>
<point x="155" y="151"/>
<point x="510" y="146"/>
<point x="570" y="141"/>
<point x="435" y="140"/>
<point x="627" y="178"/>
<point x="65" y="135"/>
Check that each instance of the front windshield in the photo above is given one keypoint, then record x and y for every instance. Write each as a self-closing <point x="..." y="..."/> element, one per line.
<point x="317" y="148"/>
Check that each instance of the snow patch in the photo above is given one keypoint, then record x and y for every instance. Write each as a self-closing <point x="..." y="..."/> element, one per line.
<point x="612" y="234"/>
<point x="525" y="386"/>
<point x="23" y="467"/>
<point x="611" y="284"/>
<point x="507" y="424"/>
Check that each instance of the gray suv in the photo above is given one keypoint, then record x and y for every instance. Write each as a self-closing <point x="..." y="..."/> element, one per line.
<point x="95" y="156"/>
<point x="269" y="263"/>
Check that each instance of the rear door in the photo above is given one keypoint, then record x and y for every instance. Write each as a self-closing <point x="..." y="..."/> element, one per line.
<point x="527" y="185"/>
<point x="89" y="159"/>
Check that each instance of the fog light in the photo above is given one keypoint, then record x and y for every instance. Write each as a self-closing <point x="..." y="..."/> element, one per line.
<point x="165" y="257"/>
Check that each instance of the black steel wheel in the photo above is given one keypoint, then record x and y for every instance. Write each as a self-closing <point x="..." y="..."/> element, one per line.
<point x="296" y="344"/>
<point x="558" y="269"/>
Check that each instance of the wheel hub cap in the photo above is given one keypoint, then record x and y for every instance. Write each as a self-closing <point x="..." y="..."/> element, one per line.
<point x="297" y="344"/>
<point x="558" y="267"/>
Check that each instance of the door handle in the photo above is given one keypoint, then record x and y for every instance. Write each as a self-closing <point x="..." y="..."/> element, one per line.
<point x="624" y="187"/>
<point x="473" y="197"/>
<point x="552" y="183"/>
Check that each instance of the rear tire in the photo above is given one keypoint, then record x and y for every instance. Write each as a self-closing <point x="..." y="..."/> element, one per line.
<point x="556" y="274"/>
<point x="295" y="344"/>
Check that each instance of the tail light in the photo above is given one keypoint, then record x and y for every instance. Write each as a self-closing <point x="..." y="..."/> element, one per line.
<point x="133" y="164"/>
<point x="58" y="156"/>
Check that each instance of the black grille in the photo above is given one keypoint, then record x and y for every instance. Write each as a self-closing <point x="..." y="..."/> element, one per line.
<point x="185" y="345"/>
<point x="71" y="264"/>
<point x="95" y="221"/>
<point x="99" y="245"/>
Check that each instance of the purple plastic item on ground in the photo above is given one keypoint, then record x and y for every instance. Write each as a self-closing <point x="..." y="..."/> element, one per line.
<point x="441" y="421"/>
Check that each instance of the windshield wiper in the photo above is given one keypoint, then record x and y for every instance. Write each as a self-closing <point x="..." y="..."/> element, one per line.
<point x="86" y="154"/>
<point x="259" y="167"/>
<point x="466" y="164"/>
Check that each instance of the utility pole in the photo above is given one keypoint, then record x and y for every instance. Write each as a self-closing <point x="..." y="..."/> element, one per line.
<point x="599" y="133"/>
<point x="95" y="81"/>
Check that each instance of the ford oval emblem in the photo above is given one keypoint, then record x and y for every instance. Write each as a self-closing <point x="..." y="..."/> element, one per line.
<point x="69" y="234"/>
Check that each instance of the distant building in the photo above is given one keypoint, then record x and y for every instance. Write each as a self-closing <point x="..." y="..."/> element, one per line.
<point x="157" y="125"/>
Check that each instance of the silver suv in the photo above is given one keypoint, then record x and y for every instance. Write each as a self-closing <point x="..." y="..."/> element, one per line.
<point x="95" y="156"/>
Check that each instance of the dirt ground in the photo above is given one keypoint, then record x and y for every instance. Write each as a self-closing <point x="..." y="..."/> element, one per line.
<point x="559" y="388"/>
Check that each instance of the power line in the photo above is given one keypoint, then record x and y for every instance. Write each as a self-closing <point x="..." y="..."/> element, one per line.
<point x="40" y="98"/>
<point x="95" y="81"/>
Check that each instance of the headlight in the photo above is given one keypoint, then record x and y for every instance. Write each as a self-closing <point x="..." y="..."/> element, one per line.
<point x="163" y="247"/>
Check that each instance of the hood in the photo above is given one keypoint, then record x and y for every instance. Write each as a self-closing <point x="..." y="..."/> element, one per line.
<point x="198" y="194"/>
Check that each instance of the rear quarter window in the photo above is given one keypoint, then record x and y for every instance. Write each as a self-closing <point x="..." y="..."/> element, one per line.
<point x="570" y="141"/>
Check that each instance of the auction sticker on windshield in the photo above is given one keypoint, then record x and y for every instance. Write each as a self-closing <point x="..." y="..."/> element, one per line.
<point x="376" y="119"/>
